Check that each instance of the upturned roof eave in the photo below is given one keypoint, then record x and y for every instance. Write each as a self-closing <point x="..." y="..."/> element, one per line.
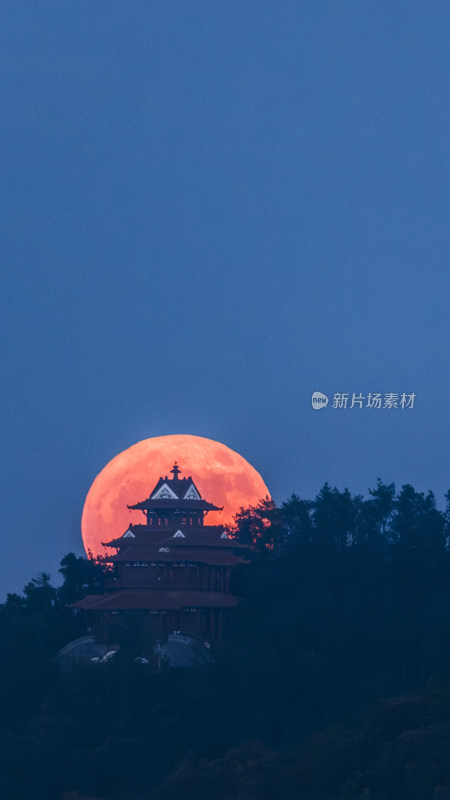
<point x="155" y="599"/>
<point x="189" y="505"/>
<point x="226" y="559"/>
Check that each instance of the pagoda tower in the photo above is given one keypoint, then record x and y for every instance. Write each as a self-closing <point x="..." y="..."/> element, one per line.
<point x="173" y="569"/>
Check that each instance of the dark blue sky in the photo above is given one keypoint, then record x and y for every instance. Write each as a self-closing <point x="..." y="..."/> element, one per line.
<point x="210" y="210"/>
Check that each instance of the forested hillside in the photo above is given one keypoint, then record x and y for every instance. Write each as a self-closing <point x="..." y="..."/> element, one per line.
<point x="332" y="682"/>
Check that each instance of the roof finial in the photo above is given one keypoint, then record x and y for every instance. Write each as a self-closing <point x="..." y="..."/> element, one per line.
<point x="176" y="470"/>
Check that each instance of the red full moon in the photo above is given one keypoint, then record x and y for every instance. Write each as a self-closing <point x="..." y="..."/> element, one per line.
<point x="222" y="476"/>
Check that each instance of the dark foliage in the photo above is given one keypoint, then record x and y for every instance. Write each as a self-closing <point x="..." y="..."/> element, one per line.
<point x="333" y="681"/>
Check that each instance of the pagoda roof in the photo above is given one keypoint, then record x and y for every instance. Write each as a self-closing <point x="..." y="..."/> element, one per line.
<point x="170" y="492"/>
<point x="192" y="535"/>
<point x="155" y="600"/>
<point x="179" y="486"/>
<point x="170" y="503"/>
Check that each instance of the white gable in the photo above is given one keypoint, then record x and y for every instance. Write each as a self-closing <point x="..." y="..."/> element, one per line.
<point x="179" y="535"/>
<point x="192" y="493"/>
<point x="128" y="535"/>
<point x="224" y="536"/>
<point x="164" y="491"/>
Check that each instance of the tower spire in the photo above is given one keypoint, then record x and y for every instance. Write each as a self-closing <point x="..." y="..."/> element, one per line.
<point x="175" y="471"/>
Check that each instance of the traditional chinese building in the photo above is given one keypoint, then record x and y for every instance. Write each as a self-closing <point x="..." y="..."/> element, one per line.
<point x="174" y="569"/>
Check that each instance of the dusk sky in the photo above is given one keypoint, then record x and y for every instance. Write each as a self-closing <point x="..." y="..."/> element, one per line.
<point x="209" y="211"/>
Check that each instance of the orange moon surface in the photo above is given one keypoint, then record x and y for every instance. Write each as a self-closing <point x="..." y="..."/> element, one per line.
<point x="222" y="476"/>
